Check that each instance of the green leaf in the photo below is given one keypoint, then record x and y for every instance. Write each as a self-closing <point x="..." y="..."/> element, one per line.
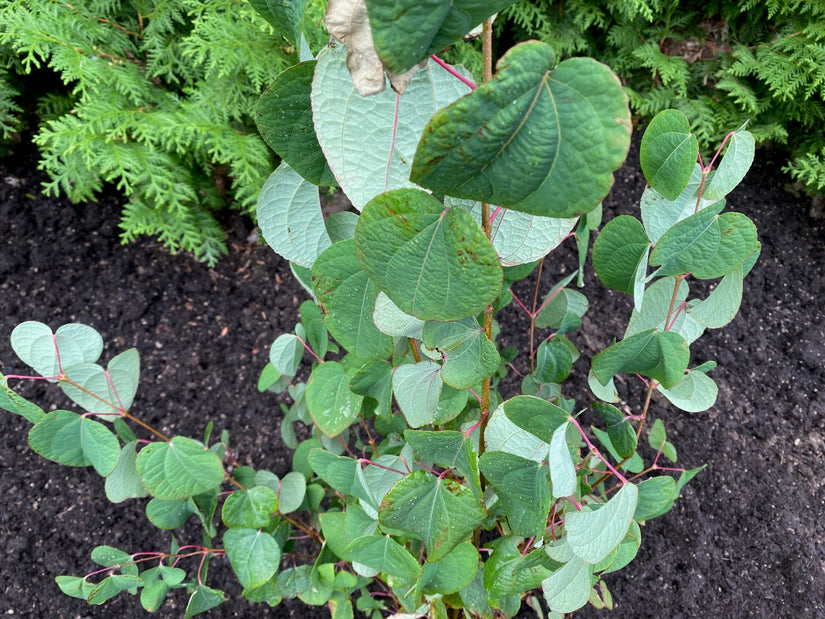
<point x="562" y="469"/>
<point x="38" y="347"/>
<point x="619" y="252"/>
<point x="695" y="393"/>
<point x="732" y="169"/>
<point x="75" y="440"/>
<point x="449" y="449"/>
<point x="668" y="153"/>
<point x="537" y="416"/>
<point x="203" y="599"/>
<point x="407" y="32"/>
<point x="341" y="473"/>
<point x="330" y="402"/>
<point x="417" y="388"/>
<point x="117" y="384"/>
<point x="374" y="381"/>
<point x="253" y="554"/>
<point x="503" y="435"/>
<point x="285" y="354"/>
<point x="553" y="361"/>
<point x="621" y="433"/>
<point x="124" y="482"/>
<point x="168" y="515"/>
<point x="292" y="491"/>
<point x="179" y="469"/>
<point x="157" y="582"/>
<point x="111" y="586"/>
<point x="75" y="586"/>
<point x="440" y="512"/>
<point x="285" y="16"/>
<point x="384" y="554"/>
<point x="284" y="119"/>
<point x="433" y="263"/>
<point x="562" y="310"/>
<point x="656" y="497"/>
<point x="11" y="401"/>
<point x="523" y="488"/>
<point x="316" y="330"/>
<point x="290" y="217"/>
<point x="452" y="573"/>
<point x="468" y="356"/>
<point x="634" y="465"/>
<point x="593" y="534"/>
<point x="527" y="138"/>
<point x="662" y="355"/>
<point x="341" y="528"/>
<point x="250" y="508"/>
<point x="721" y="305"/>
<point x="706" y="245"/>
<point x="341" y="225"/>
<point x="108" y="556"/>
<point x="348" y="296"/>
<point x="568" y="588"/>
<point x="626" y="551"/>
<point x="660" y="214"/>
<point x="657" y="438"/>
<point x="392" y="125"/>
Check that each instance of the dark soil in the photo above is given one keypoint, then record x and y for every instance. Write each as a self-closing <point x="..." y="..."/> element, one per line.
<point x="743" y="541"/>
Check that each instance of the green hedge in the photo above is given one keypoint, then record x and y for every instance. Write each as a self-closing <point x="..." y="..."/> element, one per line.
<point x="158" y="98"/>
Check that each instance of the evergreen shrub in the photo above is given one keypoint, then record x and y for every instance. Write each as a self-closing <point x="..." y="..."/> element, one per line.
<point x="155" y="97"/>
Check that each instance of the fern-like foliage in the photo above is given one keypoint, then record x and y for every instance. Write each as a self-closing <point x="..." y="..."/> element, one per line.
<point x="721" y="63"/>
<point x="160" y="103"/>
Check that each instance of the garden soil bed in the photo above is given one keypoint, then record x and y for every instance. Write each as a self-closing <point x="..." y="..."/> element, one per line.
<point x="745" y="539"/>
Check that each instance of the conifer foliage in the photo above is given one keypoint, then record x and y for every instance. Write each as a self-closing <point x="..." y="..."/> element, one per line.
<point x="719" y="63"/>
<point x="159" y="100"/>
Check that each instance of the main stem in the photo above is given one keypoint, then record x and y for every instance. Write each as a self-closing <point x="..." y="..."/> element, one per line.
<point x="487" y="225"/>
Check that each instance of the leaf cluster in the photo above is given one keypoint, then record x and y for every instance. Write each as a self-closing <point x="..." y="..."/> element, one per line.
<point x="721" y="64"/>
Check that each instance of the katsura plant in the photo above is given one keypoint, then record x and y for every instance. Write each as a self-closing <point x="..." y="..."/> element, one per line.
<point x="421" y="488"/>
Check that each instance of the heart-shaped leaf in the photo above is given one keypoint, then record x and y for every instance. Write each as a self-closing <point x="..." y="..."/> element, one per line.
<point x="289" y="213"/>
<point x="433" y="263"/>
<point x="179" y="469"/>
<point x="440" y="512"/>
<point x="330" y="401"/>
<point x="284" y="119"/>
<point x="75" y="440"/>
<point x="406" y="32"/>
<point x="668" y="153"/>
<point x="662" y="355"/>
<point x="535" y="138"/>
<point x="348" y="296"/>
<point x="468" y="356"/>
<point x="391" y="124"/>
<point x="593" y="535"/>
<point x="707" y="245"/>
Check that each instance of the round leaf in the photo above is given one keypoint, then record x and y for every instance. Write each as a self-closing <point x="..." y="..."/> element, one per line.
<point x="284" y="119"/>
<point x="538" y="139"/>
<point x="618" y="251"/>
<point x="330" y="401"/>
<point x="179" y="469"/>
<point x="433" y="263"/>
<point x="290" y="217"/>
<point x="253" y="554"/>
<point x="668" y="153"/>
